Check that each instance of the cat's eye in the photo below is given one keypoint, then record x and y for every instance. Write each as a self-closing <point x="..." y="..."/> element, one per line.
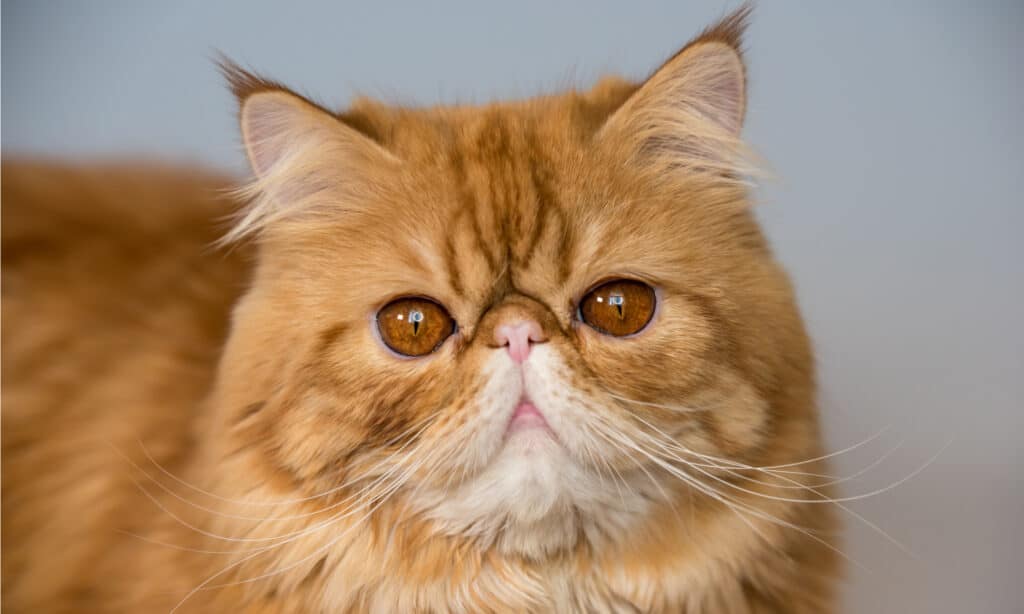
<point x="414" y="326"/>
<point x="620" y="307"/>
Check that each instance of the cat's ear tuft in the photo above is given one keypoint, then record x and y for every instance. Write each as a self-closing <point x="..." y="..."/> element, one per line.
<point x="243" y="83"/>
<point x="692" y="107"/>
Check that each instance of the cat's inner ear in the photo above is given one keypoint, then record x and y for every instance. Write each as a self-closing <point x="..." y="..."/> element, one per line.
<point x="692" y="107"/>
<point x="276" y="125"/>
<point x="280" y="128"/>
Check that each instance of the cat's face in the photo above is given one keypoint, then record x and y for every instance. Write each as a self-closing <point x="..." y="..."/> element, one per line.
<point x="518" y="313"/>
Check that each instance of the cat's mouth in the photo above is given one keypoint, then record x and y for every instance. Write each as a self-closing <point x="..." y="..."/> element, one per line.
<point x="527" y="418"/>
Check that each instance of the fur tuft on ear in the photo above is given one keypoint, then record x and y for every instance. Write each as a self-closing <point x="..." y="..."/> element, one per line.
<point x="304" y="157"/>
<point x="729" y="30"/>
<point x="689" y="112"/>
<point x="243" y="83"/>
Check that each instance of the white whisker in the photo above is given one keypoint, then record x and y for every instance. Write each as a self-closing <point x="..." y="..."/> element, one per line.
<point x="407" y="433"/>
<point x="380" y="499"/>
<point x="673" y="408"/>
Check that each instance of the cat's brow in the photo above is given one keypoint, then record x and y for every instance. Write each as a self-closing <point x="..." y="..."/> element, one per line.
<point x="516" y="210"/>
<point x="545" y="196"/>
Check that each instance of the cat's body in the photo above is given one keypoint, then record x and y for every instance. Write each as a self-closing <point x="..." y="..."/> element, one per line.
<point x="178" y="417"/>
<point x="114" y="312"/>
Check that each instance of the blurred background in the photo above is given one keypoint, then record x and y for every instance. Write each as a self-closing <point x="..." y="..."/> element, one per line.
<point x="895" y="131"/>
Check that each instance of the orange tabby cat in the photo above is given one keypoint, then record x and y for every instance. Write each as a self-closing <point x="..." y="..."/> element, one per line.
<point x="525" y="357"/>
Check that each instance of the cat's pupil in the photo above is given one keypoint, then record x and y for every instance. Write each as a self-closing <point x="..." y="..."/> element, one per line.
<point x="618" y="301"/>
<point x="416" y="317"/>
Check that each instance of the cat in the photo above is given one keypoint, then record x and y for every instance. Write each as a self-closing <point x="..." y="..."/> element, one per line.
<point x="533" y="356"/>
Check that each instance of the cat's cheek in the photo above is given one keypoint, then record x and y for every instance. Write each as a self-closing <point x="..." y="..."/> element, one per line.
<point x="736" y="420"/>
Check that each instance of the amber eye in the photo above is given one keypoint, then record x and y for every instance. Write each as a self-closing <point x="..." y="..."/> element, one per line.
<point x="620" y="307"/>
<point x="414" y="326"/>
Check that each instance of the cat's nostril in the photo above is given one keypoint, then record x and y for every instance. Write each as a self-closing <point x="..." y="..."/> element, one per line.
<point x="519" y="336"/>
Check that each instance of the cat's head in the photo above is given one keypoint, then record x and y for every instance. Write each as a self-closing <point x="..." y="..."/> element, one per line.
<point x="514" y="318"/>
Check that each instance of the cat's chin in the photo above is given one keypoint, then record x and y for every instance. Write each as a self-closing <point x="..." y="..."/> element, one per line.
<point x="534" y="500"/>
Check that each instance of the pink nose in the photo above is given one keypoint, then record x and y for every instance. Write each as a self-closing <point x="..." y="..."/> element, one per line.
<point x="518" y="336"/>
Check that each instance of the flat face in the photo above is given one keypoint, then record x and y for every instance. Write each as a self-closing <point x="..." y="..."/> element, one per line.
<point x="639" y="287"/>
<point x="534" y="323"/>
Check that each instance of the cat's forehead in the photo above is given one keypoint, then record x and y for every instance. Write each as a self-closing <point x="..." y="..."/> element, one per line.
<point x="508" y="196"/>
<point x="503" y="199"/>
<point x="417" y="133"/>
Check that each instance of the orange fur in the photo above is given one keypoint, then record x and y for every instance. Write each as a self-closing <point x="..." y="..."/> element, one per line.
<point x="221" y="430"/>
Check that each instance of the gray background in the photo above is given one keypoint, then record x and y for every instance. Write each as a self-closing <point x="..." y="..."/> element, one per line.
<point x="895" y="130"/>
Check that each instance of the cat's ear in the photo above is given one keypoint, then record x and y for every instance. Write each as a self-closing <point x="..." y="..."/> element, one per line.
<point x="689" y="112"/>
<point x="301" y="154"/>
<point x="278" y="124"/>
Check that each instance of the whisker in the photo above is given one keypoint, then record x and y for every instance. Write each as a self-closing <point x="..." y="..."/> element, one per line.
<point x="157" y="542"/>
<point x="737" y="506"/>
<point x="837" y="499"/>
<point x="663" y="445"/>
<point x="846" y="450"/>
<point x="288" y="537"/>
<point x="734" y="505"/>
<point x="322" y="510"/>
<point x="209" y="534"/>
<point x="425" y="423"/>
<point x="611" y="475"/>
<point x="604" y="461"/>
<point x="798" y="486"/>
<point x="396" y="485"/>
<point x="823" y="498"/>
<point x="626" y="442"/>
<point x="673" y="408"/>
<point x="380" y="499"/>
<point x="771" y="468"/>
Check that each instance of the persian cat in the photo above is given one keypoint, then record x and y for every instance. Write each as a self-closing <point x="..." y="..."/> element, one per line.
<point x="532" y="356"/>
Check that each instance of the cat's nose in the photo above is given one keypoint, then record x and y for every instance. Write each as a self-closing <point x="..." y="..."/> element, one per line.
<point x="519" y="336"/>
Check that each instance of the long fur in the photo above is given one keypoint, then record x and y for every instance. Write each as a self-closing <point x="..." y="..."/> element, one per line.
<point x="190" y="429"/>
